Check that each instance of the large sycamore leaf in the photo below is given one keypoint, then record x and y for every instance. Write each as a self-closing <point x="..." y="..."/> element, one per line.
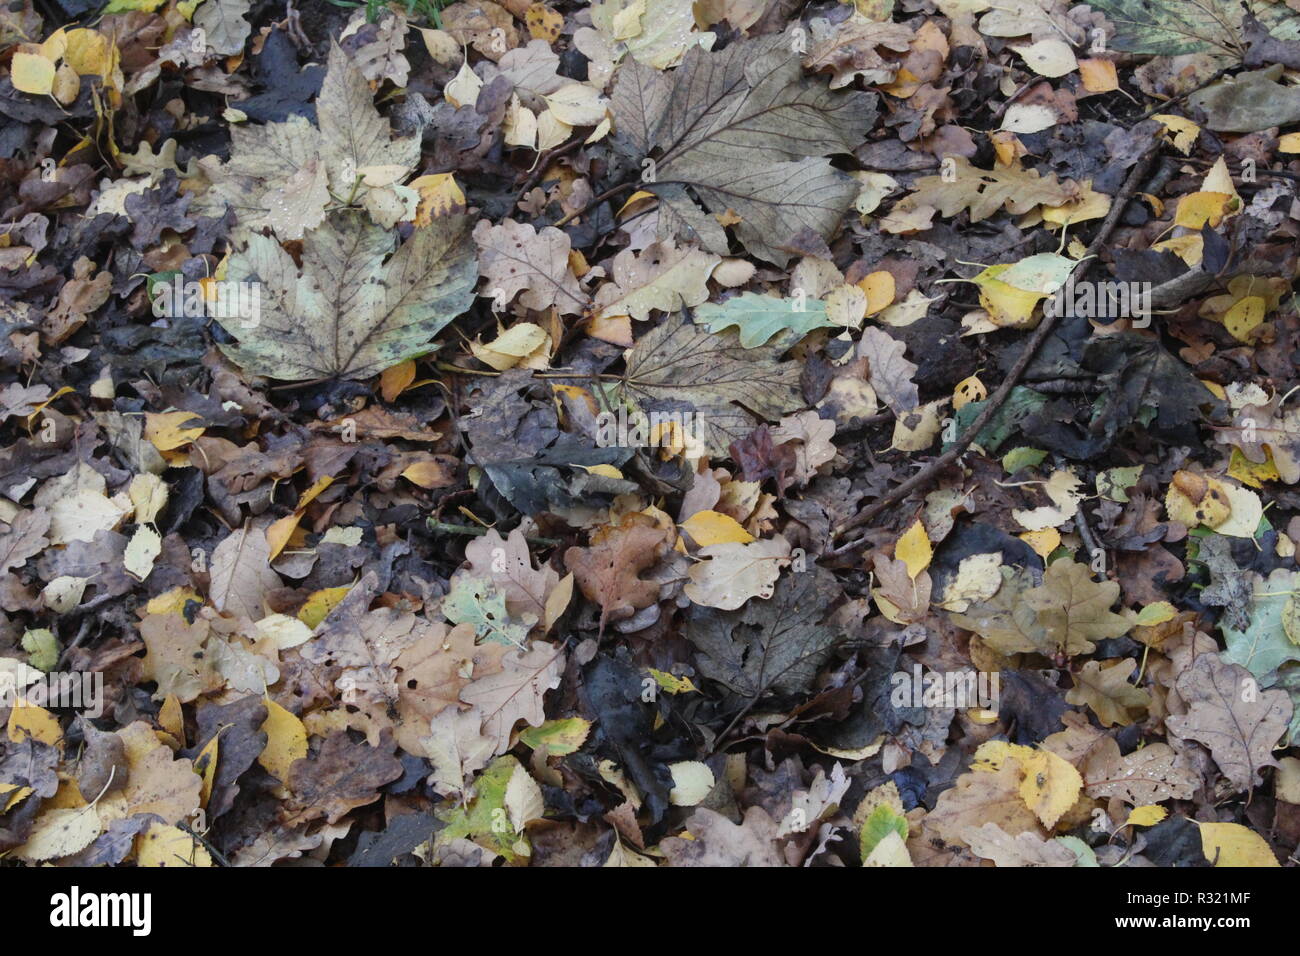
<point x="740" y="129"/>
<point x="349" y="313"/>
<point x="1171" y="27"/>
<point x="680" y="368"/>
<point x="280" y="175"/>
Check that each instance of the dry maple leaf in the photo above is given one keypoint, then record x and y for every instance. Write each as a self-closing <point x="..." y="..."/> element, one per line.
<point x="740" y="128"/>
<point x="678" y="367"/>
<point x="810" y="435"/>
<point x="777" y="644"/>
<point x="1227" y="712"/>
<point x="507" y="563"/>
<point x="177" y="660"/>
<point x="431" y="674"/>
<point x="984" y="191"/>
<point x="661" y="278"/>
<point x="281" y="174"/>
<point x="979" y="797"/>
<point x="1074" y="610"/>
<point x="909" y="597"/>
<point x="357" y="307"/>
<point x="162" y="785"/>
<point x="850" y="49"/>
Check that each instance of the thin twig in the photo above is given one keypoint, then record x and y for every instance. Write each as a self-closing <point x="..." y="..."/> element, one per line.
<point x="207" y="845"/>
<point x="447" y="527"/>
<point x="1161" y="107"/>
<point x="607" y="194"/>
<point x="1089" y="539"/>
<point x="544" y="164"/>
<point x="1258" y="170"/>
<point x="1002" y="108"/>
<point x="999" y="397"/>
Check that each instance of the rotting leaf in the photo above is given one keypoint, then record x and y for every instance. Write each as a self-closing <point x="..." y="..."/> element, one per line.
<point x="357" y="307"/>
<point x="740" y="128"/>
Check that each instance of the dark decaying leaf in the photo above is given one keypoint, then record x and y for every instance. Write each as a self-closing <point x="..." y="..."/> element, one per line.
<point x="740" y="128"/>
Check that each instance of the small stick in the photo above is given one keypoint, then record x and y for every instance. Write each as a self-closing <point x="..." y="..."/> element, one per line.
<point x="544" y="164"/>
<point x="607" y="194"/>
<point x="207" y="845"/>
<point x="447" y="527"/>
<point x="1161" y="107"/>
<point x="999" y="397"/>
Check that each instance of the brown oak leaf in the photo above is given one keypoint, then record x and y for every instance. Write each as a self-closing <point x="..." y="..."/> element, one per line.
<point x="1230" y="715"/>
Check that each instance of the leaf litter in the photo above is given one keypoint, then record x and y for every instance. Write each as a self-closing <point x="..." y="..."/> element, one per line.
<point x="650" y="434"/>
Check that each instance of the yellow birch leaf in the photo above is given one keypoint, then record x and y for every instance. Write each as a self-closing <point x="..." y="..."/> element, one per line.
<point x="1156" y="613"/>
<point x="1051" y="786"/>
<point x="543" y="23"/>
<point x="29" y="720"/>
<point x="1146" y="816"/>
<point x="880" y="289"/>
<point x="968" y="390"/>
<point x="166" y="429"/>
<point x="66" y="84"/>
<point x="320" y="603"/>
<point x="440" y="195"/>
<point x="163" y="845"/>
<point x="1043" y="542"/>
<point x="32" y="73"/>
<point x="1250" y="472"/>
<point x="1231" y="844"/>
<point x="279" y="532"/>
<point x="60" y="832"/>
<point x="712" y="527"/>
<point x="1244" y="316"/>
<point x="914" y="550"/>
<point x="1180" y="131"/>
<point x="171" y="718"/>
<point x="428" y="473"/>
<point x="286" y="741"/>
<point x="1196" y="210"/>
<point x="1099" y="76"/>
<point x="205" y="765"/>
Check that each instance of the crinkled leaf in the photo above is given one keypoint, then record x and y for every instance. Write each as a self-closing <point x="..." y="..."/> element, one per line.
<point x="349" y="313"/>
